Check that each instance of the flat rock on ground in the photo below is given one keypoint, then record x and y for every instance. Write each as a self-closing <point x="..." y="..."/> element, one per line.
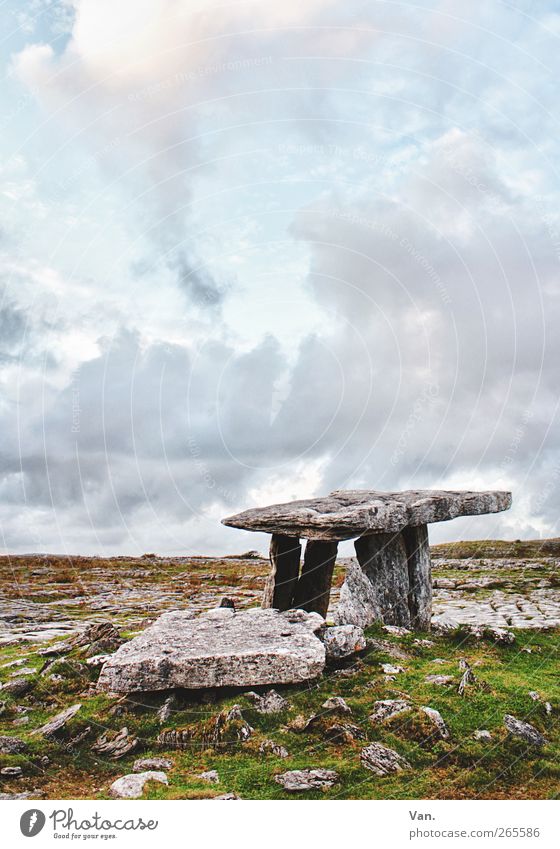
<point x="132" y="786"/>
<point x="381" y="760"/>
<point x="218" y="649"/>
<point x="524" y="730"/>
<point x="306" y="779"/>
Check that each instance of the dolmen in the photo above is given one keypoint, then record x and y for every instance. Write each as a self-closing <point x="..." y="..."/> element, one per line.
<point x="391" y="582"/>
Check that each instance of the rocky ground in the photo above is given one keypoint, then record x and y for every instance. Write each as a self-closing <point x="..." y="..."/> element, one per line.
<point x="51" y="603"/>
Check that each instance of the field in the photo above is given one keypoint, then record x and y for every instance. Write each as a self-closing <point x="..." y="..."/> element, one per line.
<point x="47" y="601"/>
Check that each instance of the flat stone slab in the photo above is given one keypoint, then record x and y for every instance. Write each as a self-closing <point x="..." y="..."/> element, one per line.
<point x="220" y="648"/>
<point x="345" y="514"/>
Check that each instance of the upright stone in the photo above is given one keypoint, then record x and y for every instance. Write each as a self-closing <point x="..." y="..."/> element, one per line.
<point x="285" y="556"/>
<point x="383" y="558"/>
<point x="314" y="586"/>
<point x="419" y="576"/>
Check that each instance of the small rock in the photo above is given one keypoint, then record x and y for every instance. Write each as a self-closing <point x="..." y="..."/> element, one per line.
<point x="482" y="734"/>
<point x="144" y="764"/>
<point x="389" y="669"/>
<point x="28" y="794"/>
<point x="269" y="702"/>
<point x="548" y="708"/>
<point x="12" y="663"/>
<point x="343" y="732"/>
<point x="97" y="659"/>
<point x="306" y="779"/>
<point x="426" y="643"/>
<point x="11" y="772"/>
<point x="467" y="678"/>
<point x="343" y="640"/>
<point x="132" y="786"/>
<point x="396" y="630"/>
<point x="387" y="709"/>
<point x="226" y="797"/>
<point x="274" y="749"/>
<point x="227" y="602"/>
<point x="436" y="719"/>
<point x="26" y="670"/>
<point x="386" y="647"/>
<point x="534" y="695"/>
<point x="381" y="760"/>
<point x="524" y="730"/>
<point x="12" y="746"/>
<point x="439" y="680"/>
<point x="57" y="649"/>
<point x="58" y="722"/>
<point x="165" y="712"/>
<point x="211" y="776"/>
<point x="336" y="704"/>
<point x="115" y="745"/>
<point x="17" y="687"/>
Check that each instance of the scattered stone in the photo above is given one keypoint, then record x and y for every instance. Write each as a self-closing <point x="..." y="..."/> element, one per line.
<point x="343" y="640"/>
<point x="426" y="643"/>
<point x="11" y="772"/>
<point x="269" y="702"/>
<point x="12" y="746"/>
<point x="306" y="779"/>
<point x="101" y="638"/>
<point x="439" y="680"/>
<point x="548" y="708"/>
<point x="482" y="734"/>
<point x="58" y="722"/>
<point x="467" y="678"/>
<point x="211" y="776"/>
<point x="143" y="764"/>
<point x="501" y="636"/>
<point x="79" y="738"/>
<point x="132" y="786"/>
<point x="57" y="649"/>
<point x="226" y="797"/>
<point x="343" y="732"/>
<point x="28" y="794"/>
<point x="336" y="704"/>
<point x="274" y="749"/>
<point x="524" y="730"/>
<point x="388" y="708"/>
<point x="386" y="647"/>
<point x="381" y="760"/>
<point x="12" y="663"/>
<point x="389" y="669"/>
<point x="534" y="695"/>
<point x="252" y="647"/>
<point x="97" y="659"/>
<point x="167" y="709"/>
<point x="396" y="630"/>
<point x="17" y="687"/>
<point x="226" y="728"/>
<point x="26" y="670"/>
<point x="115" y="744"/>
<point x="300" y="723"/>
<point x="436" y="719"/>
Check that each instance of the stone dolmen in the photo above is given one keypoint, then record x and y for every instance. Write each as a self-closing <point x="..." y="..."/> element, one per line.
<point x="394" y="583"/>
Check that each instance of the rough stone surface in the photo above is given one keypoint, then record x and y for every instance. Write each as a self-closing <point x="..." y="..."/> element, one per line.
<point x="336" y="704"/>
<point x="306" y="779"/>
<point x="132" y="786"/>
<point x="269" y="702"/>
<point x="270" y="747"/>
<point x="482" y="734"/>
<point x="524" y="730"/>
<point x="58" y="722"/>
<point x="115" y="745"/>
<point x="285" y="556"/>
<point x="387" y="709"/>
<point x="349" y="513"/>
<point x="211" y="776"/>
<point x="218" y="649"/>
<point x="11" y="772"/>
<point x="439" y="680"/>
<point x="144" y="764"/>
<point x="381" y="760"/>
<point x="343" y="640"/>
<point x="12" y="746"/>
<point x="437" y="721"/>
<point x="313" y="588"/>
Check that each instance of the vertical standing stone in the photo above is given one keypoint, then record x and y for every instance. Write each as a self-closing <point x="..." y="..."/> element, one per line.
<point x="285" y="556"/>
<point x="419" y="576"/>
<point x="314" y="586"/>
<point x="383" y="558"/>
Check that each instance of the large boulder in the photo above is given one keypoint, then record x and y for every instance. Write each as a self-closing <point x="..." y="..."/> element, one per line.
<point x="220" y="648"/>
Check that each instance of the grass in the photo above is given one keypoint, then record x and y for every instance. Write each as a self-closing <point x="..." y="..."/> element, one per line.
<point x="459" y="768"/>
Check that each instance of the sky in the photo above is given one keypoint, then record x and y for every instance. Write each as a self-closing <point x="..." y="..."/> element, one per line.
<point x="254" y="251"/>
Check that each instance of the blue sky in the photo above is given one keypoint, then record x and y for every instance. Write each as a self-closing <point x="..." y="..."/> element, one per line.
<point x="253" y="252"/>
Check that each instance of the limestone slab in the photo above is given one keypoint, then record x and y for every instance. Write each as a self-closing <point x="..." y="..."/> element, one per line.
<point x="220" y="648"/>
